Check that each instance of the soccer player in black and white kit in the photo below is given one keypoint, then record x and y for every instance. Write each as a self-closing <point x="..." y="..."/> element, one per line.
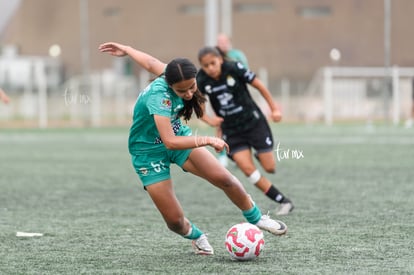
<point x="244" y="127"/>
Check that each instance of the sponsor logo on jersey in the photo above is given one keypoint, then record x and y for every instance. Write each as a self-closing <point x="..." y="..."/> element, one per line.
<point x="178" y="108"/>
<point x="143" y="171"/>
<point x="225" y="99"/>
<point x="217" y="89"/>
<point x="176" y="126"/>
<point x="166" y="103"/>
<point x="249" y="75"/>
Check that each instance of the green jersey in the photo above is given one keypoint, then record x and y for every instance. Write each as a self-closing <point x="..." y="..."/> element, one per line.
<point x="237" y="55"/>
<point x="156" y="99"/>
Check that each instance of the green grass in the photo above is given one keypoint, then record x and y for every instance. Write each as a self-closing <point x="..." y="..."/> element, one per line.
<point x="353" y="192"/>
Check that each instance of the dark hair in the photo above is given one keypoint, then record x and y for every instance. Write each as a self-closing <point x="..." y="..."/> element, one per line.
<point x="210" y="50"/>
<point x="180" y="69"/>
<point x="223" y="54"/>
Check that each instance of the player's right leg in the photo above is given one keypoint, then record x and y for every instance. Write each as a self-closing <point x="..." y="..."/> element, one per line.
<point x="154" y="172"/>
<point x="164" y="198"/>
<point x="202" y="163"/>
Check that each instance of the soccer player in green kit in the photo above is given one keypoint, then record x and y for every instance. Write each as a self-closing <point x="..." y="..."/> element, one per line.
<point x="158" y="138"/>
<point x="243" y="125"/>
<point x="225" y="46"/>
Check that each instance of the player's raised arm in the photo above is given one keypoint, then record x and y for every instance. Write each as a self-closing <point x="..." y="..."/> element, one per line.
<point x="146" y="61"/>
<point x="4" y="97"/>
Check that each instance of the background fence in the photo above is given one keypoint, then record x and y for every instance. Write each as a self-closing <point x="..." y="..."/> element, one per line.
<point x="40" y="97"/>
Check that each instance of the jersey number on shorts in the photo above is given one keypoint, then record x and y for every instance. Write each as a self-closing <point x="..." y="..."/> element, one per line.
<point x="158" y="166"/>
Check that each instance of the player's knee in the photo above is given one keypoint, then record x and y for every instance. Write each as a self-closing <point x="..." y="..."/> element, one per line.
<point x="269" y="166"/>
<point x="270" y="170"/>
<point x="224" y="180"/>
<point x="254" y="177"/>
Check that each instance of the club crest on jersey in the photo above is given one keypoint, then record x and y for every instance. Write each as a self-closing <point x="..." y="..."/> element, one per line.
<point x="230" y="81"/>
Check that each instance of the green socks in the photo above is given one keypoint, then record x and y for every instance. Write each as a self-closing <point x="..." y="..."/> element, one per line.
<point x="193" y="233"/>
<point x="252" y="215"/>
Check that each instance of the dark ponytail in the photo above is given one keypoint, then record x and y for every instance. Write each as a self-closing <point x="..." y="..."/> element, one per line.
<point x="180" y="69"/>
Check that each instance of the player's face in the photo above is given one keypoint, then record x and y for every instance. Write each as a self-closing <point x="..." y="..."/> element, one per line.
<point x="211" y="65"/>
<point x="185" y="89"/>
<point x="223" y="43"/>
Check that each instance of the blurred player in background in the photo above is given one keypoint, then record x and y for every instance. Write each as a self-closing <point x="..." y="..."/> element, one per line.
<point x="409" y="122"/>
<point x="226" y="49"/>
<point x="244" y="126"/>
<point x="4" y="97"/>
<point x="158" y="138"/>
<point x="225" y="46"/>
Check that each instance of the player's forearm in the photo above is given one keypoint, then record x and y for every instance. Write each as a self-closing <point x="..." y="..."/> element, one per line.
<point x="272" y="104"/>
<point x="266" y="94"/>
<point x="207" y="119"/>
<point x="189" y="142"/>
<point x="146" y="61"/>
<point x="212" y="121"/>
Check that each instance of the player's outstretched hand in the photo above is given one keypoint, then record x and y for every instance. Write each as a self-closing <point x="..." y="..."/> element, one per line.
<point x="113" y="48"/>
<point x="276" y="115"/>
<point x="4" y="97"/>
<point x="219" y="145"/>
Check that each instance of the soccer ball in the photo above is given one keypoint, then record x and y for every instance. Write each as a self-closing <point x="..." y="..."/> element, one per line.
<point x="244" y="241"/>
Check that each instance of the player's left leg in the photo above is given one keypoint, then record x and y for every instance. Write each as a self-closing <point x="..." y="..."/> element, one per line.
<point x="202" y="163"/>
<point x="267" y="161"/>
<point x="262" y="141"/>
<point x="245" y="163"/>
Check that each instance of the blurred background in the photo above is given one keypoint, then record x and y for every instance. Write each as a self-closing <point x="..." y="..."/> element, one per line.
<point x="325" y="61"/>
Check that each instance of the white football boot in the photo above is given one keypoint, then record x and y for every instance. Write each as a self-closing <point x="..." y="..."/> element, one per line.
<point x="201" y="246"/>
<point x="273" y="226"/>
<point x="285" y="208"/>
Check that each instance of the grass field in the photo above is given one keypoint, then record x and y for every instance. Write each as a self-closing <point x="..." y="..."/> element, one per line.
<point x="353" y="190"/>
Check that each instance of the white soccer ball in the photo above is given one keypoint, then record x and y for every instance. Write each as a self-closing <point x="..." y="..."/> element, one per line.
<point x="244" y="241"/>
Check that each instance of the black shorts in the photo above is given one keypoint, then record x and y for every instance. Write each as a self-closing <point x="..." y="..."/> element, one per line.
<point x="259" y="138"/>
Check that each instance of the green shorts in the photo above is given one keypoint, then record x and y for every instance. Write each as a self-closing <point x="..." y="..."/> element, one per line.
<point x="155" y="166"/>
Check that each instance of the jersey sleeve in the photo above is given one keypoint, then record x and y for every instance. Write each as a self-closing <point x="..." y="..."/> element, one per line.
<point x="160" y="102"/>
<point x="243" y="72"/>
